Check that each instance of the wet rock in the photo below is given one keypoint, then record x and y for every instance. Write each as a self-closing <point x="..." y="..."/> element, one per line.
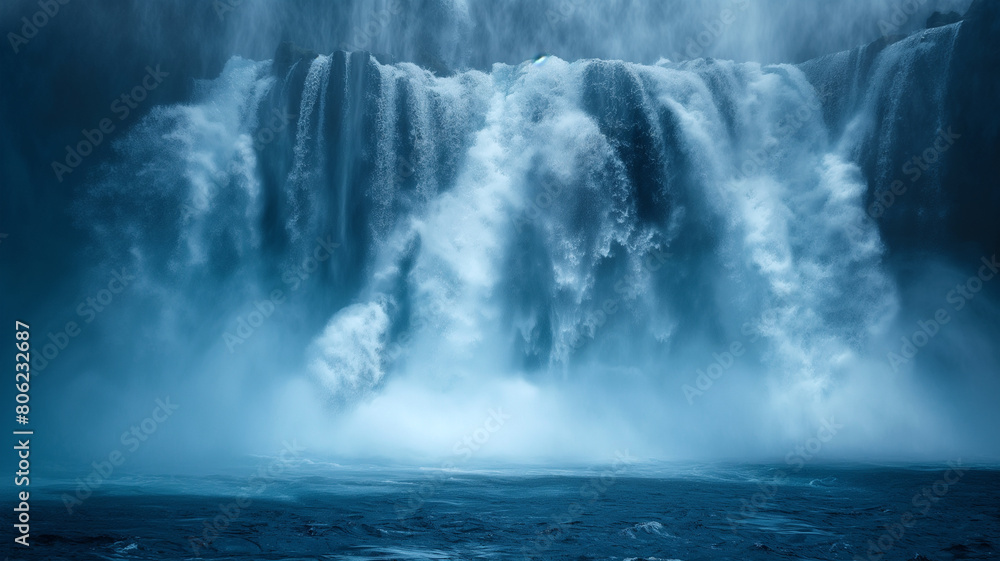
<point x="937" y="19"/>
<point x="287" y="55"/>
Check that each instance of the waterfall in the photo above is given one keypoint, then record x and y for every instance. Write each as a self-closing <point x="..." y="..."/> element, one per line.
<point x="585" y="228"/>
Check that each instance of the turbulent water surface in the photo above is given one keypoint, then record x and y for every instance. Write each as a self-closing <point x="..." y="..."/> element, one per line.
<point x="618" y="511"/>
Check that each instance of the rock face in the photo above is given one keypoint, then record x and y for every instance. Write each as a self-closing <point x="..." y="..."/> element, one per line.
<point x="948" y="75"/>
<point x="937" y="19"/>
<point x="972" y="173"/>
<point x="288" y="54"/>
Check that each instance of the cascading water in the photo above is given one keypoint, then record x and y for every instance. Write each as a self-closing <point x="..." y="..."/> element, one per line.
<point x="502" y="279"/>
<point x="559" y="237"/>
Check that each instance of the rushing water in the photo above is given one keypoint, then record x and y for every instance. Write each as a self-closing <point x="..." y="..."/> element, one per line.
<point x="508" y="245"/>
<point x="677" y="244"/>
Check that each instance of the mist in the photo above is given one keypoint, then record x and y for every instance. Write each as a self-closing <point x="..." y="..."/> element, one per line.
<point x="406" y="238"/>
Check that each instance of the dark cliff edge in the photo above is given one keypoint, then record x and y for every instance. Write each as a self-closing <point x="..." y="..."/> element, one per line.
<point x="931" y="154"/>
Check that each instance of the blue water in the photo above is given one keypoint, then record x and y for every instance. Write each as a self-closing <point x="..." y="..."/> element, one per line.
<point x="615" y="512"/>
<point x="382" y="249"/>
